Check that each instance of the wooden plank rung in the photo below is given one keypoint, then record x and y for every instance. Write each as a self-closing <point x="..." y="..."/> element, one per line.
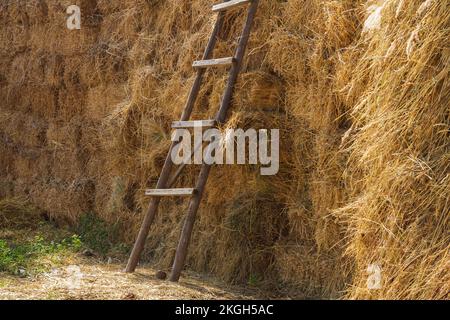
<point x="193" y="124"/>
<point x="169" y="192"/>
<point x="213" y="62"/>
<point x="230" y="4"/>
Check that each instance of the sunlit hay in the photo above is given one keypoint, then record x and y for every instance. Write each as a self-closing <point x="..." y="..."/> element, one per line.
<point x="348" y="92"/>
<point x="258" y="91"/>
<point x="283" y="47"/>
<point x="301" y="266"/>
<point x="340" y="23"/>
<point x="135" y="135"/>
<point x="398" y="219"/>
<point x="86" y="119"/>
<point x="301" y="15"/>
<point x="311" y="99"/>
<point x="301" y="220"/>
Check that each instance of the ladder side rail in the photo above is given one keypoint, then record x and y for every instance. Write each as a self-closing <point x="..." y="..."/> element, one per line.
<point x="236" y="68"/>
<point x="180" y="169"/>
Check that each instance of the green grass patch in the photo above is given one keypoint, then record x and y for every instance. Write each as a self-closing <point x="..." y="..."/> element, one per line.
<point x="29" y="245"/>
<point x="36" y="255"/>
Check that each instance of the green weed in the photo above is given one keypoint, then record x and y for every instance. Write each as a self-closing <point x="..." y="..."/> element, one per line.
<point x="36" y="255"/>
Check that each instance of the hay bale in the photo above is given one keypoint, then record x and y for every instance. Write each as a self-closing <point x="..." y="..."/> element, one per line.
<point x="306" y="271"/>
<point x="17" y="213"/>
<point x="398" y="160"/>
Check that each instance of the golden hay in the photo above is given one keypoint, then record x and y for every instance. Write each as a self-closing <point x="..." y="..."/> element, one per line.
<point x="359" y="90"/>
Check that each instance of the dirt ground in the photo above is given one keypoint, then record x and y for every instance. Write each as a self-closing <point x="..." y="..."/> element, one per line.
<point x="42" y="261"/>
<point x="92" y="280"/>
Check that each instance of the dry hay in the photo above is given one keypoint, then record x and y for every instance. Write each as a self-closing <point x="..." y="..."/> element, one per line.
<point x="399" y="156"/>
<point x="17" y="213"/>
<point x="359" y="90"/>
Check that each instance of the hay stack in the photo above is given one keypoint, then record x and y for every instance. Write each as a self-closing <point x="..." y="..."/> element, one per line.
<point x="399" y="154"/>
<point x="359" y="90"/>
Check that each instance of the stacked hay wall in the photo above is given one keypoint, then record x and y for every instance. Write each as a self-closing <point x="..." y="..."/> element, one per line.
<point x="398" y="173"/>
<point x="359" y="90"/>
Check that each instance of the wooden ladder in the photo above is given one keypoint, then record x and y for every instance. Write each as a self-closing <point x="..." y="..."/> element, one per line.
<point x="166" y="180"/>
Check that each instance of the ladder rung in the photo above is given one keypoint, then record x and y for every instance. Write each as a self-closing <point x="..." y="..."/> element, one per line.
<point x="229" y="5"/>
<point x="213" y="62"/>
<point x="193" y="124"/>
<point x="169" y="192"/>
